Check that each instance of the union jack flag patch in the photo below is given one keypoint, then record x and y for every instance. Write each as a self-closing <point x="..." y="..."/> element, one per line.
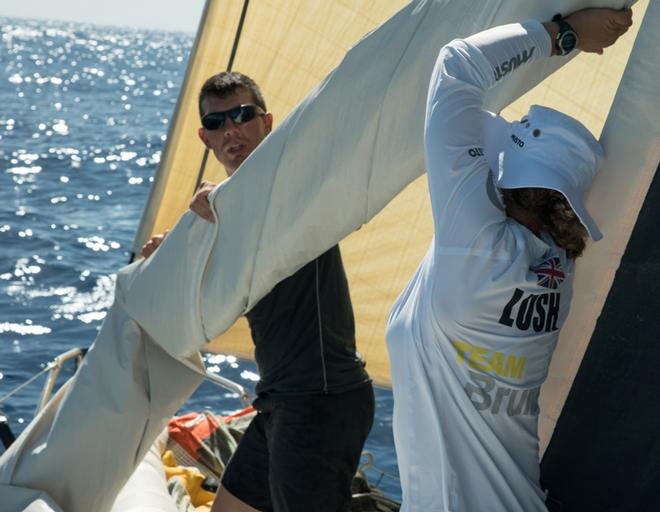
<point x="549" y="273"/>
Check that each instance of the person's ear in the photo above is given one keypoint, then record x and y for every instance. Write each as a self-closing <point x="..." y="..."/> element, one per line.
<point x="202" y="135"/>
<point x="268" y="121"/>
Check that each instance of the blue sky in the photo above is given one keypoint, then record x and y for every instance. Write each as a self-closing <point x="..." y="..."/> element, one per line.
<point x="179" y="15"/>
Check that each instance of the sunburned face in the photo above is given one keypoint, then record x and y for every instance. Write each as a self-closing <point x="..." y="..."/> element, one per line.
<point x="233" y="143"/>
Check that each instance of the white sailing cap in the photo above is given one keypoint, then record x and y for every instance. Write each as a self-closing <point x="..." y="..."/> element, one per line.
<point x="545" y="149"/>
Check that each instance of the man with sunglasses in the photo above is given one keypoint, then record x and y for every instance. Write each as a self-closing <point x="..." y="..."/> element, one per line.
<point x="314" y="400"/>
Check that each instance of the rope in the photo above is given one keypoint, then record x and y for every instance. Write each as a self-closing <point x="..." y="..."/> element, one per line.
<point x="47" y="368"/>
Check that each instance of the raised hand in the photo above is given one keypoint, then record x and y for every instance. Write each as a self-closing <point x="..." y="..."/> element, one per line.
<point x="599" y="28"/>
<point x="200" y="201"/>
<point x="150" y="247"/>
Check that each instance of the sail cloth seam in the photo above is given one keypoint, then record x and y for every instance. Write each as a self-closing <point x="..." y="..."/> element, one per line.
<point x="380" y="116"/>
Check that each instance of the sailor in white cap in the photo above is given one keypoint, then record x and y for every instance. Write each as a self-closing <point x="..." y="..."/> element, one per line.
<point x="471" y="336"/>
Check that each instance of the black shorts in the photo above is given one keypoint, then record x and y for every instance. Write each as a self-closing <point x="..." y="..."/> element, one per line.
<point x="299" y="454"/>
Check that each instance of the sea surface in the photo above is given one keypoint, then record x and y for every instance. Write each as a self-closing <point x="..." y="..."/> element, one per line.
<point x="84" y="115"/>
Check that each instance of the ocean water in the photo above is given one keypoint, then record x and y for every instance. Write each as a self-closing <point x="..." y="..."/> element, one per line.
<point x="84" y="113"/>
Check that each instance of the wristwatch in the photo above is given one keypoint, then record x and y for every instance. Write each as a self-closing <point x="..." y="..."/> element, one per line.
<point x="567" y="38"/>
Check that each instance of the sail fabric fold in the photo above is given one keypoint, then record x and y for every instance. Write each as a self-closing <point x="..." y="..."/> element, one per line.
<point x="26" y="500"/>
<point x="87" y="441"/>
<point x="333" y="163"/>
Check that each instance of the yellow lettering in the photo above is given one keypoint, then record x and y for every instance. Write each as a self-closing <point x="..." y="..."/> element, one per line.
<point x="478" y="358"/>
<point x="482" y="359"/>
<point x="462" y="349"/>
<point x="495" y="363"/>
<point x="515" y="367"/>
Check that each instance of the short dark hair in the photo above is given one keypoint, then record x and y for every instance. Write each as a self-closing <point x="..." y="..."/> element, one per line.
<point x="227" y="83"/>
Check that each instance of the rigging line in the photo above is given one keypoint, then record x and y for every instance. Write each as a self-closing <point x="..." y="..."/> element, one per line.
<point x="200" y="174"/>
<point x="239" y="30"/>
<point x="230" y="64"/>
<point x="47" y="368"/>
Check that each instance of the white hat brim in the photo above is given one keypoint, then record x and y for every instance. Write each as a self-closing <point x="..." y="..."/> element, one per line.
<point x="511" y="170"/>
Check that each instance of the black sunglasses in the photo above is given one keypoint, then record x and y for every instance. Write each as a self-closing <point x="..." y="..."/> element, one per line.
<point x="239" y="115"/>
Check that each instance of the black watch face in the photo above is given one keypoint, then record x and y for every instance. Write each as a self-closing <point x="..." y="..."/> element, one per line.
<point x="568" y="41"/>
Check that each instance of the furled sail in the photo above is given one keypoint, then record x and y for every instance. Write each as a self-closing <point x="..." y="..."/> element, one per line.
<point x="351" y="145"/>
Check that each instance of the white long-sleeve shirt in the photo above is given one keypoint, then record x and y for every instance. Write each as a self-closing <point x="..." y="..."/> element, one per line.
<point x="471" y="336"/>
